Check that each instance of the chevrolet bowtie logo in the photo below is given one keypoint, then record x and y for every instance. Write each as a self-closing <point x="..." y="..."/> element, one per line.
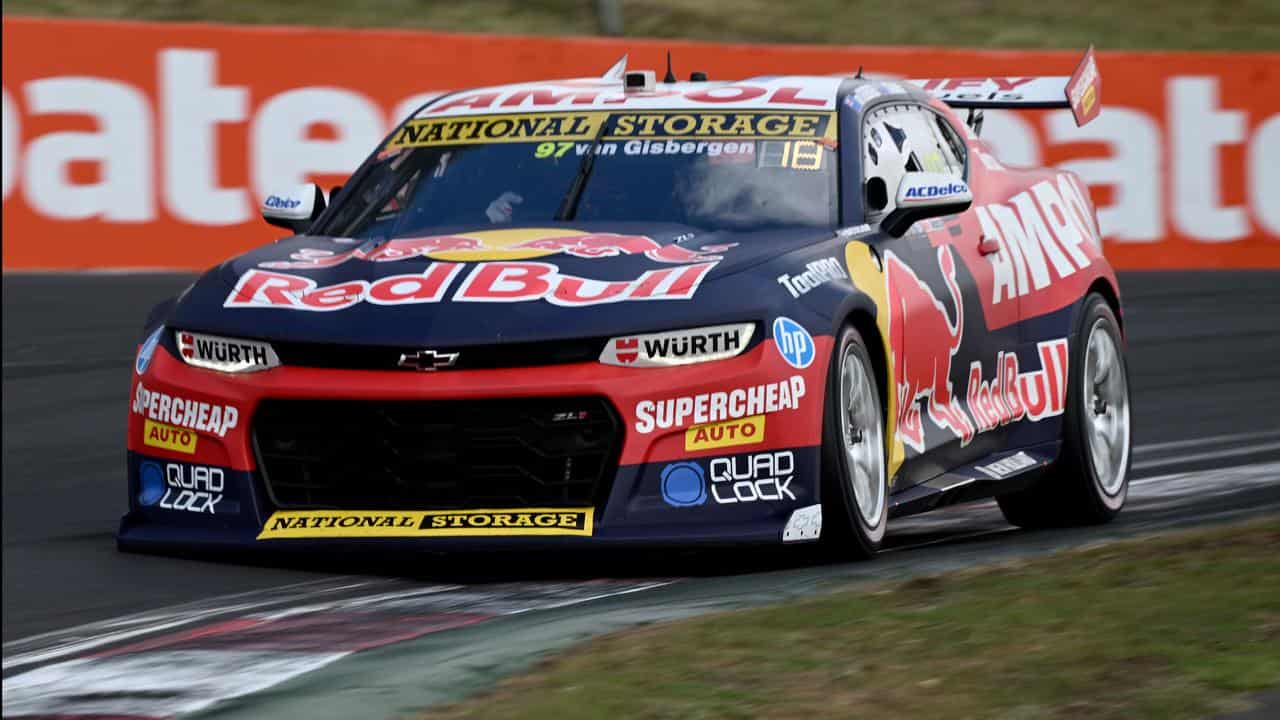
<point x="428" y="360"/>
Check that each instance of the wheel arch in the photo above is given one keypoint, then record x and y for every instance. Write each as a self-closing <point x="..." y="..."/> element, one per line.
<point x="867" y="311"/>
<point x="865" y="324"/>
<point x="1107" y="290"/>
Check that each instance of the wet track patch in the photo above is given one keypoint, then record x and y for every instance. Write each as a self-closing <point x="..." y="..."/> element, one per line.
<point x="169" y="672"/>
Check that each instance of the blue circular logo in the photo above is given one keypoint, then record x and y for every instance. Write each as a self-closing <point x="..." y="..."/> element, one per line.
<point x="684" y="484"/>
<point x="794" y="343"/>
<point x="147" y="350"/>
<point x="150" y="483"/>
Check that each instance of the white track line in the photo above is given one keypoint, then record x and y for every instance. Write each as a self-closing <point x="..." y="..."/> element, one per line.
<point x="1212" y="440"/>
<point x="82" y="638"/>
<point x="1198" y="457"/>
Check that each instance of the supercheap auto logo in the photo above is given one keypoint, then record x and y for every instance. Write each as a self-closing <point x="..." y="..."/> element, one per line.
<point x="715" y="407"/>
<point x="747" y="431"/>
<point x="173" y="410"/>
<point x="168" y="437"/>
<point x="288" y="524"/>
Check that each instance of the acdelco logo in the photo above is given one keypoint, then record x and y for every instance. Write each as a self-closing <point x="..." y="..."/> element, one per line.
<point x="279" y="203"/>
<point x="168" y="437"/>
<point x="747" y="431"/>
<point x="930" y="191"/>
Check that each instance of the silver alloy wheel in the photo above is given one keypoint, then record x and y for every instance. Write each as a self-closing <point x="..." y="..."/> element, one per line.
<point x="862" y="434"/>
<point x="1106" y="392"/>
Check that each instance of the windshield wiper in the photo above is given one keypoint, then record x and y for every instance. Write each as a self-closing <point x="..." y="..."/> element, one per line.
<point x="569" y="205"/>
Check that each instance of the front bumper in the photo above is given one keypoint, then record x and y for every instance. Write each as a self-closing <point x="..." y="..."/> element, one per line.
<point x="195" y="481"/>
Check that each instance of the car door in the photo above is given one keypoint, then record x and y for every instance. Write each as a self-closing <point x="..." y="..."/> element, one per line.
<point x="936" y="321"/>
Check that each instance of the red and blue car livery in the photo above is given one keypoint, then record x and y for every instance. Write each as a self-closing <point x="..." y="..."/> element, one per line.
<point x="618" y="311"/>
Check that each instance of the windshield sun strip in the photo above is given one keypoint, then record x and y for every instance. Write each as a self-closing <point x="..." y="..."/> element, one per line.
<point x="608" y="126"/>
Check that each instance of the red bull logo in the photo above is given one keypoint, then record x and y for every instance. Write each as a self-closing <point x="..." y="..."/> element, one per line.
<point x="1013" y="395"/>
<point x="508" y="244"/>
<point x="490" y="282"/>
<point x="922" y="365"/>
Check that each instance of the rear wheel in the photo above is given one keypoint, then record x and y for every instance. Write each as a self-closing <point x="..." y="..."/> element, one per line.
<point x="1090" y="480"/>
<point x="854" y="492"/>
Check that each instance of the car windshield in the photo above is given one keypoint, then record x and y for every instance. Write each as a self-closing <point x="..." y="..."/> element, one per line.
<point x="708" y="170"/>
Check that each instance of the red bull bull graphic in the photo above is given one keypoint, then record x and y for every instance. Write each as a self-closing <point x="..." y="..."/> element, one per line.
<point x="922" y="365"/>
<point x="510" y="244"/>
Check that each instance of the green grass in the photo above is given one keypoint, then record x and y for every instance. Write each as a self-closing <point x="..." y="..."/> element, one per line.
<point x="1175" y="626"/>
<point x="1137" y="24"/>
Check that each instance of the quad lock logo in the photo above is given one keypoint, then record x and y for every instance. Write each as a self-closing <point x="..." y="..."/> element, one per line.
<point x="739" y="479"/>
<point x="178" y="486"/>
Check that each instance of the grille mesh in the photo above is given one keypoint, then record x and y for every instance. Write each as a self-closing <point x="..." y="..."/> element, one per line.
<point x="536" y="452"/>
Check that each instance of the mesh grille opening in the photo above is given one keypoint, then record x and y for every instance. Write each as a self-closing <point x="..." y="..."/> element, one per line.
<point x="437" y="455"/>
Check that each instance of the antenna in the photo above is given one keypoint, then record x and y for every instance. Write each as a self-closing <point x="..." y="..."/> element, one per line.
<point x="670" y="77"/>
<point x="859" y="75"/>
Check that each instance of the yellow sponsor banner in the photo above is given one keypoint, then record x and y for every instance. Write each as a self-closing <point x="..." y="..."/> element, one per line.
<point x="746" y="431"/>
<point x="585" y="126"/>
<point x="168" y="437"/>
<point x="484" y="129"/>
<point x="288" y="524"/>
<point x="723" y="125"/>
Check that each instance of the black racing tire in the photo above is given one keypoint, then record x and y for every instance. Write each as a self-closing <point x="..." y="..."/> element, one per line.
<point x="1073" y="490"/>
<point x="847" y="532"/>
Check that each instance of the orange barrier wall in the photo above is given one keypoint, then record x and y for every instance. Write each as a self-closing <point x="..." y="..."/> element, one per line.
<point x="139" y="145"/>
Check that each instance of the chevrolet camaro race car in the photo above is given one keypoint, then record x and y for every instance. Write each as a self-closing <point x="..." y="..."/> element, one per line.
<point x="616" y="311"/>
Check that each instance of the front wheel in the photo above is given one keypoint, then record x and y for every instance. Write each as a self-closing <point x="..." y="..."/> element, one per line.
<point x="1090" y="480"/>
<point x="855" y="490"/>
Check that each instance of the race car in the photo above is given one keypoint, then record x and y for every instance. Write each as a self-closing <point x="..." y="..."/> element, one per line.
<point x="614" y="311"/>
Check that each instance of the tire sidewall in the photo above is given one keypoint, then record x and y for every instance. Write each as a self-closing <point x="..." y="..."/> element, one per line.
<point x="1095" y="312"/>
<point x="839" y="501"/>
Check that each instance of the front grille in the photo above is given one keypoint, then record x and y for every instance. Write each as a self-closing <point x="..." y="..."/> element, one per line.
<point x="428" y="455"/>
<point x="471" y="357"/>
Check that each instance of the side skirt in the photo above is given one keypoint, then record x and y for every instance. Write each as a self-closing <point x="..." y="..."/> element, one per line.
<point x="995" y="474"/>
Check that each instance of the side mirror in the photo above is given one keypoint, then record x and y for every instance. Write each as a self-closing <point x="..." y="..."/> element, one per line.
<point x="923" y="195"/>
<point x="294" y="210"/>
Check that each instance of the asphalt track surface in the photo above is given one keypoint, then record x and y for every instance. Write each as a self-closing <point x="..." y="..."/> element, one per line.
<point x="1204" y="351"/>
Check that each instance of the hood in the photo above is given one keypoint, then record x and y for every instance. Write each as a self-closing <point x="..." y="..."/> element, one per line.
<point x="469" y="286"/>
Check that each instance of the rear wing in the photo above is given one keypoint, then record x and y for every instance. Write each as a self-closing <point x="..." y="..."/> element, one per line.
<point x="1082" y="92"/>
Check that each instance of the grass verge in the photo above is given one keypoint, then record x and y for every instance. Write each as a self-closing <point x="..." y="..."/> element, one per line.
<point x="1173" y="626"/>
<point x="1137" y="24"/>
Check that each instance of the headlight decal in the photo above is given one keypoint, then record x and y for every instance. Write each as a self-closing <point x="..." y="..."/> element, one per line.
<point x="147" y="350"/>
